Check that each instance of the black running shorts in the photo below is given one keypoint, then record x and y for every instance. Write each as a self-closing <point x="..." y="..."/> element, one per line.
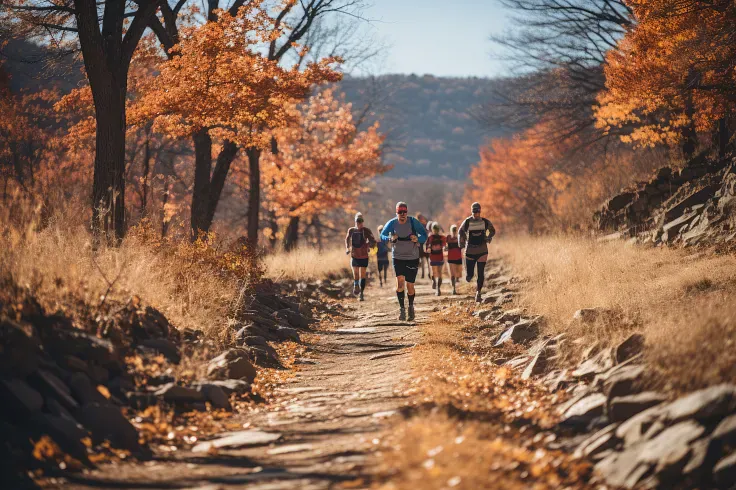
<point x="406" y="268"/>
<point x="360" y="262"/>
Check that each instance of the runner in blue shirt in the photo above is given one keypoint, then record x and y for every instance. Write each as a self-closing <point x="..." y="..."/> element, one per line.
<point x="407" y="236"/>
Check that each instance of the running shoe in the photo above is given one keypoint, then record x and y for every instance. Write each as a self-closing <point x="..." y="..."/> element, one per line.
<point x="453" y="291"/>
<point x="361" y="298"/>
<point x="411" y="313"/>
<point x="402" y="314"/>
<point x="438" y="292"/>
<point x="468" y="278"/>
<point x="356" y="290"/>
<point x="478" y="297"/>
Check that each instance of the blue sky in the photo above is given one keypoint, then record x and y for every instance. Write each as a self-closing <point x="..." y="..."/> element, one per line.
<point x="439" y="37"/>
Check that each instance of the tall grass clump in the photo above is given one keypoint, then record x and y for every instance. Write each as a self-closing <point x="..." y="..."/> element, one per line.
<point x="196" y="285"/>
<point x="683" y="302"/>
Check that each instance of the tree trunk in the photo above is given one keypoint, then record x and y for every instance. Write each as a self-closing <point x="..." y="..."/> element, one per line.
<point x="724" y="135"/>
<point x="274" y="225"/>
<point x="146" y="171"/>
<point x="316" y="222"/>
<point x="164" y="200"/>
<point x="291" y="237"/>
<point x="108" y="187"/>
<point x="208" y="185"/>
<point x="219" y="176"/>
<point x="689" y="135"/>
<point x="254" y="195"/>
<point x="201" y="187"/>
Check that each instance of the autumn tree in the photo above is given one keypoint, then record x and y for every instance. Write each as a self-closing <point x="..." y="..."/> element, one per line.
<point x="107" y="34"/>
<point x="672" y="75"/>
<point x="148" y="153"/>
<point x="218" y="86"/>
<point x="322" y="164"/>
<point x="527" y="183"/>
<point x="290" y="23"/>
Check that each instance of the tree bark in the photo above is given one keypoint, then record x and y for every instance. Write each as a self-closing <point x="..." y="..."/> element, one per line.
<point x="219" y="176"/>
<point x="724" y="135"/>
<point x="291" y="237"/>
<point x="164" y="200"/>
<point x="108" y="187"/>
<point x="201" y="187"/>
<point x="107" y="52"/>
<point x="146" y="171"/>
<point x="274" y="225"/>
<point x="254" y="196"/>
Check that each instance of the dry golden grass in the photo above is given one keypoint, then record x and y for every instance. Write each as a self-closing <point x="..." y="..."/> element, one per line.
<point x="683" y="302"/>
<point x="466" y="414"/>
<point x="307" y="264"/>
<point x="57" y="261"/>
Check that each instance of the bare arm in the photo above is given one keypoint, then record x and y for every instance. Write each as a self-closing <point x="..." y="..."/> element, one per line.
<point x="490" y="229"/>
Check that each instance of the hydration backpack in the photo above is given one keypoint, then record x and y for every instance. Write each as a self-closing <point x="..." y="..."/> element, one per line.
<point x="436" y="245"/>
<point x="358" y="239"/>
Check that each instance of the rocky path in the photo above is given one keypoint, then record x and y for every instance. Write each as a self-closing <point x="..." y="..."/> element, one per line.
<point x="322" y="429"/>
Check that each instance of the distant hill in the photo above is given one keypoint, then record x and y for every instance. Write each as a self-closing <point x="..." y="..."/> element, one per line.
<point x="431" y="131"/>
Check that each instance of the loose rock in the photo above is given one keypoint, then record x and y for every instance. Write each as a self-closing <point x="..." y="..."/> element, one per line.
<point x="232" y="364"/>
<point x="624" y="407"/>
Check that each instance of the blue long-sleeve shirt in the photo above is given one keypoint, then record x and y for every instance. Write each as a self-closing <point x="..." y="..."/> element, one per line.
<point x="404" y="248"/>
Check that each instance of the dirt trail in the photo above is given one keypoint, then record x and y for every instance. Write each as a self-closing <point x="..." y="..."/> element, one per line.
<point x="327" y="418"/>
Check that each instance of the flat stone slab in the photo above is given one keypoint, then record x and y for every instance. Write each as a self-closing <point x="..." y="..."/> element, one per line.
<point x="290" y="449"/>
<point x="356" y="330"/>
<point x="304" y="389"/>
<point x="238" y="439"/>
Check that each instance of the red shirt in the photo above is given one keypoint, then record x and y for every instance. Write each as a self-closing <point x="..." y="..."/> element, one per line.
<point x="454" y="252"/>
<point x="360" y="243"/>
<point x="436" y="245"/>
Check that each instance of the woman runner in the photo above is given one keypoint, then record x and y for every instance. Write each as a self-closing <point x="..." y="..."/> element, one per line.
<point x="475" y="235"/>
<point x="357" y="243"/>
<point x="382" y="259"/>
<point x="436" y="248"/>
<point x="423" y="256"/>
<point x="454" y="257"/>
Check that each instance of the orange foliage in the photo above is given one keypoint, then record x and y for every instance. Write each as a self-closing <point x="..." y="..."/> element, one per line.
<point x="673" y="69"/>
<point x="514" y="181"/>
<point x="220" y="81"/>
<point x="33" y="151"/>
<point x="323" y="160"/>
<point x="527" y="182"/>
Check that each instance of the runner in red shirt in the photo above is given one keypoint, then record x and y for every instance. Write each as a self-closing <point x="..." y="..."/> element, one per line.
<point x="435" y="247"/>
<point x="454" y="257"/>
<point x="357" y="243"/>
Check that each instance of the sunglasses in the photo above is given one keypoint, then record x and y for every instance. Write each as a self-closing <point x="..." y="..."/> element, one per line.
<point x="402" y="211"/>
<point x="358" y="220"/>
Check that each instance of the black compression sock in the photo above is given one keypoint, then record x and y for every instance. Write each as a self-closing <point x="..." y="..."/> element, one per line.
<point x="439" y="282"/>
<point x="470" y="270"/>
<point x="411" y="300"/>
<point x="481" y="274"/>
<point x="362" y="284"/>
<point x="452" y="280"/>
<point x="400" y="295"/>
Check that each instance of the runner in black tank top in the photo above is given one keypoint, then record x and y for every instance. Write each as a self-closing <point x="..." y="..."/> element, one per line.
<point x="436" y="248"/>
<point x="454" y="257"/>
<point x="475" y="235"/>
